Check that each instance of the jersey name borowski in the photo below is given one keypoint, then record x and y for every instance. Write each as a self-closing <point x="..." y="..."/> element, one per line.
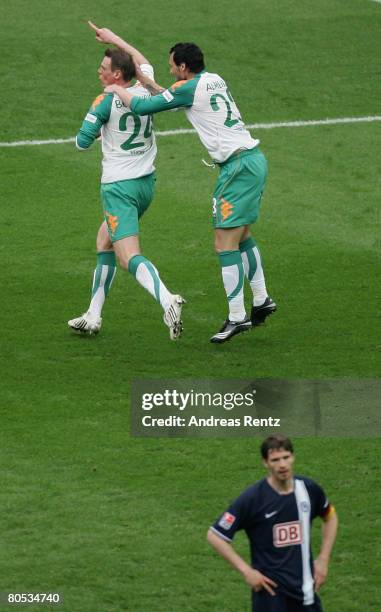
<point x="287" y="534"/>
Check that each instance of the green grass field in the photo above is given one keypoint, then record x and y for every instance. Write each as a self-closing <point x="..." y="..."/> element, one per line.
<point x="115" y="522"/>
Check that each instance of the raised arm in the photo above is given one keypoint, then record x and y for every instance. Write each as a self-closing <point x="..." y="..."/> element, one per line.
<point x="107" y="37"/>
<point x="253" y="578"/>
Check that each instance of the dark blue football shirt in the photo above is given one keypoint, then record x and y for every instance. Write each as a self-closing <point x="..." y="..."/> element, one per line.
<point x="278" y="528"/>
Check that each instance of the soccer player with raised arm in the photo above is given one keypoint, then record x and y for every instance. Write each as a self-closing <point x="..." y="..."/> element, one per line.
<point x="127" y="184"/>
<point x="276" y="513"/>
<point x="211" y="109"/>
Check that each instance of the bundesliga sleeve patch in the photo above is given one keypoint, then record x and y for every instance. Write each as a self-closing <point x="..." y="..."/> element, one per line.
<point x="91" y="118"/>
<point x="226" y="521"/>
<point x="167" y="95"/>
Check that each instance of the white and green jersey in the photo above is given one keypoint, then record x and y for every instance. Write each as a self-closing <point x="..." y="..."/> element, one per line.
<point x="211" y="110"/>
<point x="128" y="142"/>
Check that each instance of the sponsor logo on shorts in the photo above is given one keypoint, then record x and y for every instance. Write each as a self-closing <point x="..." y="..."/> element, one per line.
<point x="91" y="118"/>
<point x="112" y="222"/>
<point x="226" y="521"/>
<point x="287" y="534"/>
<point x="226" y="209"/>
<point x="167" y="95"/>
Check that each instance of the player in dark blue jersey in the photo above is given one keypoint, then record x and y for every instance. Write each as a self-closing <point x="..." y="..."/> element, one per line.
<point x="276" y="513"/>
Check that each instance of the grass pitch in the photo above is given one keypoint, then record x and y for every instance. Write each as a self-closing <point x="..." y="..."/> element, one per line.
<point x="117" y="523"/>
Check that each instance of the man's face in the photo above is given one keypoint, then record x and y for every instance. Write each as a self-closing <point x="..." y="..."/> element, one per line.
<point x="177" y="71"/>
<point x="106" y="75"/>
<point x="280" y="463"/>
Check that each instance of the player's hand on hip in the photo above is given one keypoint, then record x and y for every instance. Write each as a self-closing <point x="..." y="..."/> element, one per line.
<point x="103" y="35"/>
<point x="259" y="581"/>
<point x="320" y="572"/>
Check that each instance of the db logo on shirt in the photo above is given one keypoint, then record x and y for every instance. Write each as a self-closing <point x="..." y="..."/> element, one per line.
<point x="287" y="534"/>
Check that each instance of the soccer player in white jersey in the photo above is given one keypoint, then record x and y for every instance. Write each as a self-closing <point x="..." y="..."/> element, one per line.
<point x="276" y="513"/>
<point x="127" y="185"/>
<point x="212" y="111"/>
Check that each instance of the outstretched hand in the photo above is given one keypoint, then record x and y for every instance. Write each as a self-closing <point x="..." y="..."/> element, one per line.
<point x="103" y="35"/>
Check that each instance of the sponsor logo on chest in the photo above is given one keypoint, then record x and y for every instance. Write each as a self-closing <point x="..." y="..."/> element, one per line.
<point x="287" y="534"/>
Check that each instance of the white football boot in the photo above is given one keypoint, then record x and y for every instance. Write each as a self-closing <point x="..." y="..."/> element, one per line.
<point x="172" y="317"/>
<point x="85" y="324"/>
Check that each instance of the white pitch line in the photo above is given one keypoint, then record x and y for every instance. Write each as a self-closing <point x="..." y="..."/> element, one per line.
<point x="30" y="143"/>
<point x="253" y="126"/>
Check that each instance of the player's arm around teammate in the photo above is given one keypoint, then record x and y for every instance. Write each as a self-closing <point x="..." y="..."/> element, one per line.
<point x="255" y="579"/>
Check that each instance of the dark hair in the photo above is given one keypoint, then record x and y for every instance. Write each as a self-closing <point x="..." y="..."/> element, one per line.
<point x="189" y="54"/>
<point x="121" y="60"/>
<point x="276" y="443"/>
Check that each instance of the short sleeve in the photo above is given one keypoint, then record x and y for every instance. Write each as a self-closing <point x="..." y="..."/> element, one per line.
<point x="321" y="505"/>
<point x="235" y="518"/>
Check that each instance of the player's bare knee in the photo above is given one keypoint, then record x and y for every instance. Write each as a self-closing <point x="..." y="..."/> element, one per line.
<point x="103" y="241"/>
<point x="217" y="244"/>
<point x="104" y="245"/>
<point x="125" y="258"/>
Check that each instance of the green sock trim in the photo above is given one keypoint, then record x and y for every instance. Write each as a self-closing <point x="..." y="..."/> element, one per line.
<point x="109" y="279"/>
<point x="240" y="282"/>
<point x="97" y="280"/>
<point x="252" y="264"/>
<point x="247" y="244"/>
<point x="106" y="258"/>
<point x="134" y="263"/>
<point x="229" y="258"/>
<point x="156" y="282"/>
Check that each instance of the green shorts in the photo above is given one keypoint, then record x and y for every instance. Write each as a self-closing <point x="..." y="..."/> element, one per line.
<point x="124" y="202"/>
<point x="239" y="188"/>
